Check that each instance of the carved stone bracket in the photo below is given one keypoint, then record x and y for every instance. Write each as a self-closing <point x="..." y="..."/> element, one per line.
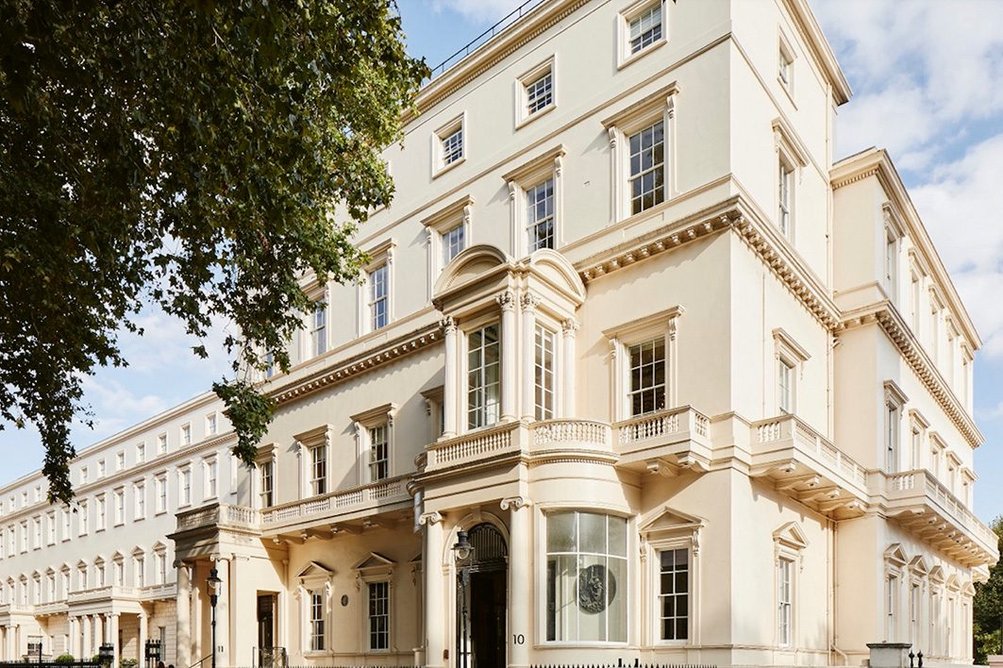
<point x="515" y="503"/>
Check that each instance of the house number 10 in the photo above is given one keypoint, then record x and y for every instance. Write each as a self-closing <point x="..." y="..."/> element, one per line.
<point x="519" y="639"/>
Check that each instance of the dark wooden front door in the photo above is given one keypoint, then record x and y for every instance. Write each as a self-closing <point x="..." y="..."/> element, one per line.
<point x="487" y="619"/>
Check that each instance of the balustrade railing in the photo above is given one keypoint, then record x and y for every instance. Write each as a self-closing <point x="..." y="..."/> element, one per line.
<point x="580" y="432"/>
<point x="472" y="446"/>
<point x="678" y="422"/>
<point x="372" y="494"/>
<point x="922" y="482"/>
<point x="807" y="440"/>
<point x="218" y="514"/>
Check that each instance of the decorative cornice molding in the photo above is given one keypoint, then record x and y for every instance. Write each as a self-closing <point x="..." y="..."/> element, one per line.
<point x="359" y="364"/>
<point x="885" y="315"/>
<point x="853" y="178"/>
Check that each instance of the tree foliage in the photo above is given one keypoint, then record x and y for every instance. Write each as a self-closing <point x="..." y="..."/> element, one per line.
<point x="199" y="155"/>
<point x="987" y="608"/>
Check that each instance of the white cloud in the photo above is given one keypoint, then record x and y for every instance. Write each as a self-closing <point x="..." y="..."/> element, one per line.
<point x="918" y="68"/>
<point x="477" y="11"/>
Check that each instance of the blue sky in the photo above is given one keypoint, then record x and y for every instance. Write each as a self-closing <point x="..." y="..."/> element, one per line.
<point x="927" y="77"/>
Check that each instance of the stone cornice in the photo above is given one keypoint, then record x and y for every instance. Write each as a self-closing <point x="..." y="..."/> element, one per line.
<point x="341" y="370"/>
<point x="520" y="33"/>
<point x="885" y="315"/>
<point x="730" y="215"/>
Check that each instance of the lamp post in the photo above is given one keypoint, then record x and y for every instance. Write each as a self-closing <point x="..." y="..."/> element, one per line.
<point x="463" y="552"/>
<point x="213" y="583"/>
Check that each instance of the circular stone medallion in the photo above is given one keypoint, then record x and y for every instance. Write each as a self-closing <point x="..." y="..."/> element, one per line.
<point x="596" y="588"/>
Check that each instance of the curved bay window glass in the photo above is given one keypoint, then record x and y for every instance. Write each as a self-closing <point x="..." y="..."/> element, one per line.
<point x="586" y="577"/>
<point x="483" y="377"/>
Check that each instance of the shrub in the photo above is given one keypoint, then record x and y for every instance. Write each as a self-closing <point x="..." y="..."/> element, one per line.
<point x="64" y="658"/>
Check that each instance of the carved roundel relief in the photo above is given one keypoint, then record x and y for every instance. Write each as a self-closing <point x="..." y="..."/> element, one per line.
<point x="596" y="588"/>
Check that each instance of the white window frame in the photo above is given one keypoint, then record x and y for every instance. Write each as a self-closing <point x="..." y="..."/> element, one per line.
<point x="139" y="500"/>
<point x="625" y="54"/>
<point x="439" y="136"/>
<point x="660" y="105"/>
<point x="186" y="437"/>
<point x="381" y="255"/>
<point x="792" y="158"/>
<point x="466" y="331"/>
<point x="789" y="544"/>
<point x="101" y="513"/>
<point x="318" y="328"/>
<point x="118" y="501"/>
<point x="457" y="213"/>
<point x="50" y="529"/>
<point x="665" y="324"/>
<point x="139" y="568"/>
<point x="212" y="423"/>
<point x="184" y="486"/>
<point x="541" y="388"/>
<point x="893" y="234"/>
<point x="141" y="452"/>
<point x="316" y="601"/>
<point x="786" y="57"/>
<point x="521" y="180"/>
<point x="160" y="493"/>
<point x="83" y="518"/>
<point x="893" y="409"/>
<point x="364" y="423"/>
<point x="894" y="576"/>
<point x="163" y="444"/>
<point x="210" y="477"/>
<point x="370" y="583"/>
<point x="120" y="460"/>
<point x="523" y="83"/>
<point x="789" y="355"/>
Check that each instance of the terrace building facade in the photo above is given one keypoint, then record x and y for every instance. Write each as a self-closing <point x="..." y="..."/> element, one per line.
<point x="637" y="370"/>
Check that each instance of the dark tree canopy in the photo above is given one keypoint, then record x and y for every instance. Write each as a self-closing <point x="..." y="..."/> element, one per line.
<point x="199" y="155"/>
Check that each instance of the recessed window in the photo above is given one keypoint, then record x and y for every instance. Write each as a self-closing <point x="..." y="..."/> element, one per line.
<point x="267" y="473"/>
<point x="379" y="290"/>
<point x="318" y="470"/>
<point x="540" y="215"/>
<point x="118" y="499"/>
<point x="186" y="435"/>
<point x="184" y="486"/>
<point x="318" y="333"/>
<point x="586" y="578"/>
<point x="647" y="376"/>
<point x="452" y="241"/>
<point x="543" y="366"/>
<point x="379" y="615"/>
<point x="674" y="593"/>
<point x="892" y="418"/>
<point x="139" y="495"/>
<point x="449" y="145"/>
<point x="645" y="28"/>
<point x="785" y="602"/>
<point x="162" y="444"/>
<point x="483" y="377"/>
<point x="379" y="453"/>
<point x="647" y="167"/>
<point x="785" y="385"/>
<point x="120" y="460"/>
<point x="140" y="453"/>
<point x="102" y="513"/>
<point x="785" y="180"/>
<point x="317" y="621"/>
<point x="540" y="92"/>
<point x="211" y="425"/>
<point x="452" y="146"/>
<point x="160" y="490"/>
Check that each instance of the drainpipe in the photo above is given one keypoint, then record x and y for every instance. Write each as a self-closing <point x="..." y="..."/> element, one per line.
<point x="833" y="573"/>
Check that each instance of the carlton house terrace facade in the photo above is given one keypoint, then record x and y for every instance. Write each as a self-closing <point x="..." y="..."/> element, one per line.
<point x="636" y="371"/>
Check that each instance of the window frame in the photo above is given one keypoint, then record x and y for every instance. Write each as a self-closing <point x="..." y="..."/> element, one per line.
<point x="139" y="500"/>
<point x="786" y="57"/>
<point x="625" y="53"/>
<point x="455" y="124"/>
<point x="379" y="417"/>
<point x="210" y="477"/>
<point x="382" y="256"/>
<point x="893" y="408"/>
<point x="545" y="412"/>
<point x="621" y="339"/>
<point x="789" y="544"/>
<point x="160" y="493"/>
<point x="185" y="485"/>
<point x="480" y="324"/>
<point x="386" y="583"/>
<point x="658" y="106"/>
<point x="457" y="213"/>
<point x="318" y="328"/>
<point x="523" y="114"/>
<point x="524" y="178"/>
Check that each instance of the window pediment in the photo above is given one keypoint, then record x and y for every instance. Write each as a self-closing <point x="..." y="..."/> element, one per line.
<point x="375" y="416"/>
<point x="666" y="522"/>
<point x="314" y="571"/>
<point x="478" y="264"/>
<point x="791" y="536"/>
<point x="896" y="555"/>
<point x="937" y="575"/>
<point x="374" y="568"/>
<point x="449" y="215"/>
<point x="314" y="437"/>
<point x="918" y="565"/>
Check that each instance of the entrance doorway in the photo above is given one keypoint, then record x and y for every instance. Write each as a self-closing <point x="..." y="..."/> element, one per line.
<point x="269" y="656"/>
<point x="482" y="595"/>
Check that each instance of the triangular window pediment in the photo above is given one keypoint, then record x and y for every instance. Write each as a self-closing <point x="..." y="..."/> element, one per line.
<point x="791" y="535"/>
<point x="937" y="574"/>
<point x="374" y="562"/>
<point x="315" y="569"/>
<point x="896" y="555"/>
<point x="667" y="521"/>
<point x="919" y="565"/>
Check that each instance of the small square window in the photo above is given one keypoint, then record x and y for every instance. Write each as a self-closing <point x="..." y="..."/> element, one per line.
<point x="540" y="93"/>
<point x="452" y="146"/>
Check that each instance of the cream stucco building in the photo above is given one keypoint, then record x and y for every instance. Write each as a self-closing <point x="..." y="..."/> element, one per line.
<point x="692" y="390"/>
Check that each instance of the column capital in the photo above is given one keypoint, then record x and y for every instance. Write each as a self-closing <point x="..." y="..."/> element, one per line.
<point x="529" y="302"/>
<point x="448" y="325"/>
<point x="506" y="300"/>
<point x="433" y="517"/>
<point x="515" y="502"/>
<point x="569" y="327"/>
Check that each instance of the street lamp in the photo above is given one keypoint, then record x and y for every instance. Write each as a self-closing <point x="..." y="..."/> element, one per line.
<point x="213" y="583"/>
<point x="463" y="552"/>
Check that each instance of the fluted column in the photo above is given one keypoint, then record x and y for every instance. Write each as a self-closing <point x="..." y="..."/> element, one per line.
<point x="435" y="609"/>
<point x="222" y="613"/>
<point x="509" y="350"/>
<point x="520" y="613"/>
<point x="449" y="425"/>
<point x="568" y="329"/>
<point x="528" y="303"/>
<point x="184" y="612"/>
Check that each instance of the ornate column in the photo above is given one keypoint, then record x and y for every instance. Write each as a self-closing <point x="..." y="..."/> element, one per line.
<point x="520" y="574"/>
<point x="112" y="637"/>
<point x="509" y="350"/>
<point x="529" y="303"/>
<point x="72" y="635"/>
<point x="86" y="651"/>
<point x="222" y="613"/>
<point x="568" y="329"/>
<point x="449" y="381"/>
<point x="3" y="644"/>
<point x="141" y="652"/>
<point x="99" y="638"/>
<point x="435" y="608"/>
<point x="184" y="614"/>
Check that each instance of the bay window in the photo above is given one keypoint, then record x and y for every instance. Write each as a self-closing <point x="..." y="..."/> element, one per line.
<point x="543" y="367"/>
<point x="586" y="579"/>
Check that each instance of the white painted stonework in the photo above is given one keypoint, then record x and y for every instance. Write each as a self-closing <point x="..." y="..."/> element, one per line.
<point x="727" y="421"/>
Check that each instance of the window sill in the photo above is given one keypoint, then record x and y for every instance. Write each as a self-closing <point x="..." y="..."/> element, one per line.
<point x="789" y="90"/>
<point x="526" y="120"/>
<point x="446" y="168"/>
<point x="634" y="57"/>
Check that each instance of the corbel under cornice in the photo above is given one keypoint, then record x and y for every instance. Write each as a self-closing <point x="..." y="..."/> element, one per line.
<point x="885" y="315"/>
